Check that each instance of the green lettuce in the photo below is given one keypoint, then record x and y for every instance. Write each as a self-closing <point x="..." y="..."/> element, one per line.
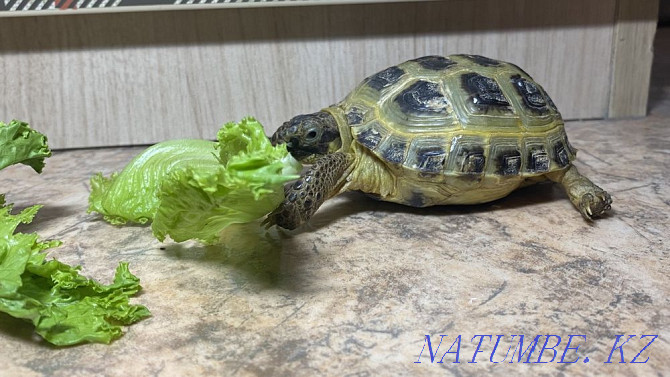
<point x="65" y="307"/>
<point x="132" y="194"/>
<point x="21" y="144"/>
<point x="197" y="191"/>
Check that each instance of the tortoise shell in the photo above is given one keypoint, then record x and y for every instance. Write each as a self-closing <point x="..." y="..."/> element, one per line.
<point x="458" y="115"/>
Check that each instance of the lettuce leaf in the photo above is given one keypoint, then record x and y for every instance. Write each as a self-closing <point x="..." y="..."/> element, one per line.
<point x="192" y="193"/>
<point x="21" y="144"/>
<point x="247" y="185"/>
<point x="132" y="194"/>
<point x="65" y="307"/>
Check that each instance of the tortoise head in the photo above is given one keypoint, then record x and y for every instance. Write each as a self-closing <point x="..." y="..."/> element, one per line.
<point x="310" y="136"/>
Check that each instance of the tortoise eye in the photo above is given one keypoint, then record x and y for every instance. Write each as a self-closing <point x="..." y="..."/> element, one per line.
<point x="311" y="134"/>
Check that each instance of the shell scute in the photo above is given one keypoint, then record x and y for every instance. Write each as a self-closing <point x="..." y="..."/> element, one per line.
<point x="434" y="62"/>
<point x="371" y="135"/>
<point x="385" y="78"/>
<point x="473" y="162"/>
<point x="560" y="154"/>
<point x="430" y="159"/>
<point x="428" y="155"/>
<point x="354" y="116"/>
<point x="537" y="157"/>
<point x="485" y="94"/>
<point x="467" y="155"/>
<point x="505" y="157"/>
<point x="394" y="149"/>
<point x="560" y="150"/>
<point x="421" y="98"/>
<point x="538" y="161"/>
<point x="532" y="97"/>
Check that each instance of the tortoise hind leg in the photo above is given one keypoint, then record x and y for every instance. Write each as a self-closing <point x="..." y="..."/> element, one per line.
<point x="591" y="200"/>
<point x="303" y="197"/>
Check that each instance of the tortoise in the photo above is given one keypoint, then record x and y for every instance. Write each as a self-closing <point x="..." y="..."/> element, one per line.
<point x="462" y="129"/>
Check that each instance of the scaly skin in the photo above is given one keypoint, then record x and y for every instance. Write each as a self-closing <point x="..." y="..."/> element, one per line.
<point x="591" y="200"/>
<point x="305" y="196"/>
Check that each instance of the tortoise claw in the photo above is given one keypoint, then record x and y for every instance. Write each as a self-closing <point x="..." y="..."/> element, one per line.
<point x="595" y="204"/>
<point x="268" y="222"/>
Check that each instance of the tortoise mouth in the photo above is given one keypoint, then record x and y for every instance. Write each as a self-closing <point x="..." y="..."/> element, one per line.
<point x="303" y="154"/>
<point x="283" y="135"/>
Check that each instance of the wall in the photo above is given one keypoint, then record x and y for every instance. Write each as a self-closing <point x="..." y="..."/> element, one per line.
<point x="138" y="78"/>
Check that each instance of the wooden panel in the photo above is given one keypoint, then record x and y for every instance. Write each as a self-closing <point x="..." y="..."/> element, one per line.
<point x="137" y="78"/>
<point x="632" y="57"/>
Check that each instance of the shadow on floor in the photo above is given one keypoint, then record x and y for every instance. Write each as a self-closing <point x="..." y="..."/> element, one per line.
<point x="249" y="249"/>
<point x="20" y="329"/>
<point x="357" y="203"/>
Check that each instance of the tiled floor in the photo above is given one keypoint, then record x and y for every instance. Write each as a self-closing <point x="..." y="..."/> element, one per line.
<point x="357" y="291"/>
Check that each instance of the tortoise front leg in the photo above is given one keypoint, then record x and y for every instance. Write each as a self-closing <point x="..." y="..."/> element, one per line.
<point x="590" y="200"/>
<point x="303" y="197"/>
